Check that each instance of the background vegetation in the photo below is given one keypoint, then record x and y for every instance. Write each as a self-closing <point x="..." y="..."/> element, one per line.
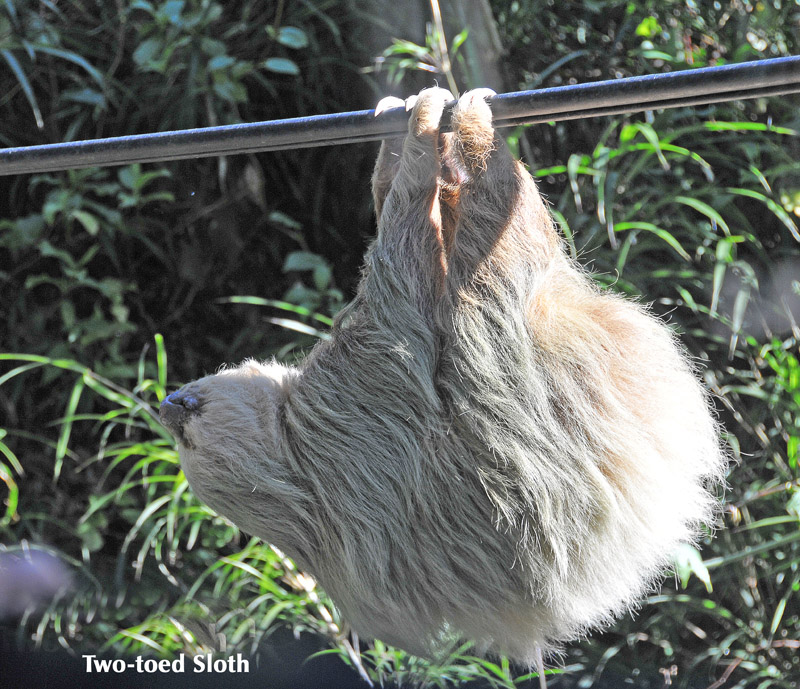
<point x="108" y="274"/>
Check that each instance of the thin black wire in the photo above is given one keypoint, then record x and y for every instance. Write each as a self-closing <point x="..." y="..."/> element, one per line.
<point x="773" y="77"/>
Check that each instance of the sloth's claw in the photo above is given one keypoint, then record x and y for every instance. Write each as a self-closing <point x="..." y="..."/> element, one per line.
<point x="388" y="103"/>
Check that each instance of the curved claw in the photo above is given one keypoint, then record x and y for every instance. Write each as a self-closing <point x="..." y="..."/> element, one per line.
<point x="388" y="103"/>
<point x="427" y="111"/>
<point x="481" y="93"/>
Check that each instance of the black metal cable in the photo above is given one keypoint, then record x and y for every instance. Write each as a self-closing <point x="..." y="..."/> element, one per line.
<point x="777" y="76"/>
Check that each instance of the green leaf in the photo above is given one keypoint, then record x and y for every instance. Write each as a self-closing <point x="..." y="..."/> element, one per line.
<point x="303" y="260"/>
<point x="458" y="40"/>
<point x="575" y="165"/>
<point x="749" y="127"/>
<point x="322" y="277"/>
<point x="659" y="232"/>
<point x="299" y="327"/>
<point x="702" y="207"/>
<point x="146" y="51"/>
<point x="688" y="299"/>
<point x="688" y="561"/>
<point x="740" y="304"/>
<point x="231" y="91"/>
<point x="211" y="46"/>
<point x="793" y="506"/>
<point x="724" y="255"/>
<point x="90" y="223"/>
<point x="127" y="175"/>
<point x="161" y="364"/>
<point x="12" y="496"/>
<point x="71" y="57"/>
<point x="25" y="85"/>
<point x="566" y="230"/>
<point x="780" y="608"/>
<point x="281" y="65"/>
<point x="292" y="37"/>
<point x="648" y="27"/>
<point x="47" y="250"/>
<point x="627" y="133"/>
<point x="10" y="456"/>
<point x="12" y="10"/>
<point x="219" y="62"/>
<point x="172" y="11"/>
<point x="283" y="219"/>
<point x="652" y="138"/>
<point x="278" y="304"/>
<point x="87" y="96"/>
<point x="91" y="537"/>
<point x="776" y="208"/>
<point x="657" y="55"/>
<point x="66" y="428"/>
<point x="146" y="177"/>
<point x="624" y="250"/>
<point x="21" y="232"/>
<point x="669" y="148"/>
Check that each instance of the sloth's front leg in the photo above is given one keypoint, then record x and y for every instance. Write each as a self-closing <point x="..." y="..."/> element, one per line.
<point x="407" y="263"/>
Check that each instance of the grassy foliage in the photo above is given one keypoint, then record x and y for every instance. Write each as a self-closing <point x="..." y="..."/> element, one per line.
<point x="107" y="272"/>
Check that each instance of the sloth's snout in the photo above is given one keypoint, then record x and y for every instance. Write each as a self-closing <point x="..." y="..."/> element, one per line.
<point x="176" y="409"/>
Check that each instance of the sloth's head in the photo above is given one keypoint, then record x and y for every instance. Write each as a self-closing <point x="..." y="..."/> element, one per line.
<point x="241" y="401"/>
<point x="227" y="426"/>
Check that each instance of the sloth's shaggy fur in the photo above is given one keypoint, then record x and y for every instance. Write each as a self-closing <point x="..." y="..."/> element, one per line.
<point x="489" y="446"/>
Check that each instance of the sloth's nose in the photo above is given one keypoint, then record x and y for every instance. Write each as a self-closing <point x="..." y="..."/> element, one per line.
<point x="176" y="409"/>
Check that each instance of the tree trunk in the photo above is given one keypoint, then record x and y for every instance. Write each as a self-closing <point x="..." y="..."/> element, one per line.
<point x="481" y="53"/>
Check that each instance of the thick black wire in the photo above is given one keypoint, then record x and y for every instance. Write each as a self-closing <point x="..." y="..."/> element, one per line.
<point x="777" y="76"/>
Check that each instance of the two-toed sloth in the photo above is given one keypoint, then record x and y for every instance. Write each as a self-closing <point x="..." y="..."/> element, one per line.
<point x="489" y="446"/>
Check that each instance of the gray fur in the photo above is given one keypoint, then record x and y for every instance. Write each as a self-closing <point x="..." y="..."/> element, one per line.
<point x="489" y="446"/>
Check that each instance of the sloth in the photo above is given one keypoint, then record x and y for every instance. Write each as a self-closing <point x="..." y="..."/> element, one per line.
<point x="489" y="446"/>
